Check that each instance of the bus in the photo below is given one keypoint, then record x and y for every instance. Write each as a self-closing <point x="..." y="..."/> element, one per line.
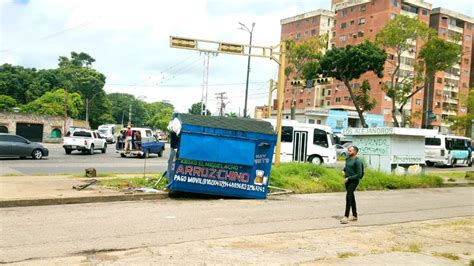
<point x="301" y="142"/>
<point x="447" y="150"/>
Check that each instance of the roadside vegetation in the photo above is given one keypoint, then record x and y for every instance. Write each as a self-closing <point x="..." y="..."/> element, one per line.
<point x="304" y="178"/>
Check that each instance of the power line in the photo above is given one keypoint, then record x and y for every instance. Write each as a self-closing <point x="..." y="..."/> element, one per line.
<point x="183" y="85"/>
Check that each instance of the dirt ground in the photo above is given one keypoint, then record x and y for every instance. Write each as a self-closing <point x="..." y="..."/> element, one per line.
<point x="438" y="242"/>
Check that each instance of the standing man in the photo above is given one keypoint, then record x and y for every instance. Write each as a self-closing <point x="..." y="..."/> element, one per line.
<point x="128" y="139"/>
<point x="174" y="128"/>
<point x="353" y="172"/>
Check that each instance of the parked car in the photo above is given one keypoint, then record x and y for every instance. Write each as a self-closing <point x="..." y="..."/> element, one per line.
<point x="17" y="146"/>
<point x="85" y="141"/>
<point x="340" y="150"/>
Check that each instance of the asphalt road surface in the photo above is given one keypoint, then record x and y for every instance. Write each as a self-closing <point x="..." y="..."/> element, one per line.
<point x="59" y="163"/>
<point x="30" y="233"/>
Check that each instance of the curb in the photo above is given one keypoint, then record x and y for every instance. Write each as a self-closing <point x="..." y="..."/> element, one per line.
<point x="80" y="200"/>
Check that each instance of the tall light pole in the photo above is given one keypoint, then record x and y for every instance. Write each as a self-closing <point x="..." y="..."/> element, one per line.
<point x="87" y="105"/>
<point x="250" y="31"/>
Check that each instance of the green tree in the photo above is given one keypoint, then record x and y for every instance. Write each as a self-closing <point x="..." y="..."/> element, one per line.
<point x="303" y="60"/>
<point x="349" y="63"/>
<point x="362" y="97"/>
<point x="15" y="81"/>
<point x="464" y="122"/>
<point x="120" y="107"/>
<point x="160" y="113"/>
<point x="399" y="35"/>
<point x="76" y="60"/>
<point x="196" y="109"/>
<point x="52" y="103"/>
<point x="7" y="103"/>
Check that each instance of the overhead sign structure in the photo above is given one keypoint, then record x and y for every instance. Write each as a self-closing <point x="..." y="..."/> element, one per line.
<point x="277" y="53"/>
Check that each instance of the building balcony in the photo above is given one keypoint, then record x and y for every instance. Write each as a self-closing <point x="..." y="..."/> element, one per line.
<point x="451" y="89"/>
<point x="451" y="76"/>
<point x="455" y="28"/>
<point x="449" y="112"/>
<point x="409" y="14"/>
<point x="450" y="100"/>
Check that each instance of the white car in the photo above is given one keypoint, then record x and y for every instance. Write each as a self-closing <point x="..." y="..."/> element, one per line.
<point x="85" y="141"/>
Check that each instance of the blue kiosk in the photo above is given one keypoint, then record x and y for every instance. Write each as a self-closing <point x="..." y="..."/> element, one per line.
<point x="223" y="156"/>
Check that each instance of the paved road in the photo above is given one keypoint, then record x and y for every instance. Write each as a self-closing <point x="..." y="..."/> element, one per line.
<point x="65" y="230"/>
<point x="59" y="163"/>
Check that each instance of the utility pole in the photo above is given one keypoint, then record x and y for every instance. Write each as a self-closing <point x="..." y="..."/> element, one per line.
<point x="221" y="102"/>
<point x="205" y="79"/>
<point x="130" y="115"/>
<point x="65" y="111"/>
<point x="250" y="31"/>
<point x="272" y="88"/>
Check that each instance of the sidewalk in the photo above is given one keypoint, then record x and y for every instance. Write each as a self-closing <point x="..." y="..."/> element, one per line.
<point x="20" y="191"/>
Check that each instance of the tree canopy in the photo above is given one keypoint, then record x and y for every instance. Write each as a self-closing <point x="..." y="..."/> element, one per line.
<point x="52" y="103"/>
<point x="349" y="63"/>
<point x="196" y="109"/>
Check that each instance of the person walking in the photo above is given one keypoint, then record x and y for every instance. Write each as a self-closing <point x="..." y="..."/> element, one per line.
<point x="353" y="172"/>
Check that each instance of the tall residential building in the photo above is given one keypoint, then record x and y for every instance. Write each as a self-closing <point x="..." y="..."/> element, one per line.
<point x="445" y="97"/>
<point x="311" y="24"/>
<point x="356" y="21"/>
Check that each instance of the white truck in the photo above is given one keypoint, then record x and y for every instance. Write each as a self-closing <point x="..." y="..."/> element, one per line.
<point x="85" y="141"/>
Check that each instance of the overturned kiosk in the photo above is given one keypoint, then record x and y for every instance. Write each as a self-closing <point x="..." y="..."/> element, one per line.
<point x="223" y="156"/>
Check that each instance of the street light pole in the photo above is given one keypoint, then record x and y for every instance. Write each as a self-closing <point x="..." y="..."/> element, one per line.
<point x="250" y="31"/>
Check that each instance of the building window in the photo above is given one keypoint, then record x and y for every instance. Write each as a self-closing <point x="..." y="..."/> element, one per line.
<point x="362" y="8"/>
<point x="386" y="111"/>
<point x="333" y="34"/>
<point x="467" y="38"/>
<point x="424" y="12"/>
<point x="298" y="35"/>
<point x="329" y="93"/>
<point x="342" y="38"/>
<point x="335" y="22"/>
<point x="360" y="34"/>
<point x="329" y="21"/>
<point x="328" y="103"/>
<point x="310" y="121"/>
<point x="301" y="100"/>
<point x="306" y="33"/>
<point x="469" y="26"/>
<point x="466" y="61"/>
<point x="343" y="25"/>
<point x="465" y="73"/>
<point x="361" y="21"/>
<point x="338" y="99"/>
<point x="352" y="22"/>
<point x="437" y="105"/>
<point x="308" y="102"/>
<point x="313" y="20"/>
<point x="344" y="13"/>
<point x="346" y="98"/>
<point x="464" y="85"/>
<point x="333" y="45"/>
<point x="439" y="80"/>
<point x="352" y="8"/>
<point x="395" y="2"/>
<point x="418" y="101"/>
<point x="390" y="57"/>
<point x="313" y="32"/>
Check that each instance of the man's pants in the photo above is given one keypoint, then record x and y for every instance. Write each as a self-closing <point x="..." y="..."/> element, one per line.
<point x="170" y="164"/>
<point x="350" y="198"/>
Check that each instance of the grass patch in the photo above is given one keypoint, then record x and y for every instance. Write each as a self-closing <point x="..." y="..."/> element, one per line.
<point x="413" y="247"/>
<point x="447" y="255"/>
<point x="344" y="255"/>
<point x="310" y="178"/>
<point x="469" y="175"/>
<point x="451" y="179"/>
<point x="136" y="182"/>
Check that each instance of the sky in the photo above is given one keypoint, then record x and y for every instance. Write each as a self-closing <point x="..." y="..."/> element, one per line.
<point x="130" y="42"/>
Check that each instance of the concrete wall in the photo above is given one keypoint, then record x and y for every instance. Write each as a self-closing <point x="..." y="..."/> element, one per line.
<point x="50" y="123"/>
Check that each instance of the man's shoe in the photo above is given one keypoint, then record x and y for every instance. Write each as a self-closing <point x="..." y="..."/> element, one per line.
<point x="344" y="220"/>
<point x="353" y="219"/>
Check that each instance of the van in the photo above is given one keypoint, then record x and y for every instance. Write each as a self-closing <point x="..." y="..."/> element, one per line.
<point x="108" y="132"/>
<point x="447" y="150"/>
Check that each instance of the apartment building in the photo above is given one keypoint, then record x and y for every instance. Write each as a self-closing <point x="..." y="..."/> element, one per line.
<point x="302" y="27"/>
<point x="444" y="97"/>
<point x="357" y="20"/>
